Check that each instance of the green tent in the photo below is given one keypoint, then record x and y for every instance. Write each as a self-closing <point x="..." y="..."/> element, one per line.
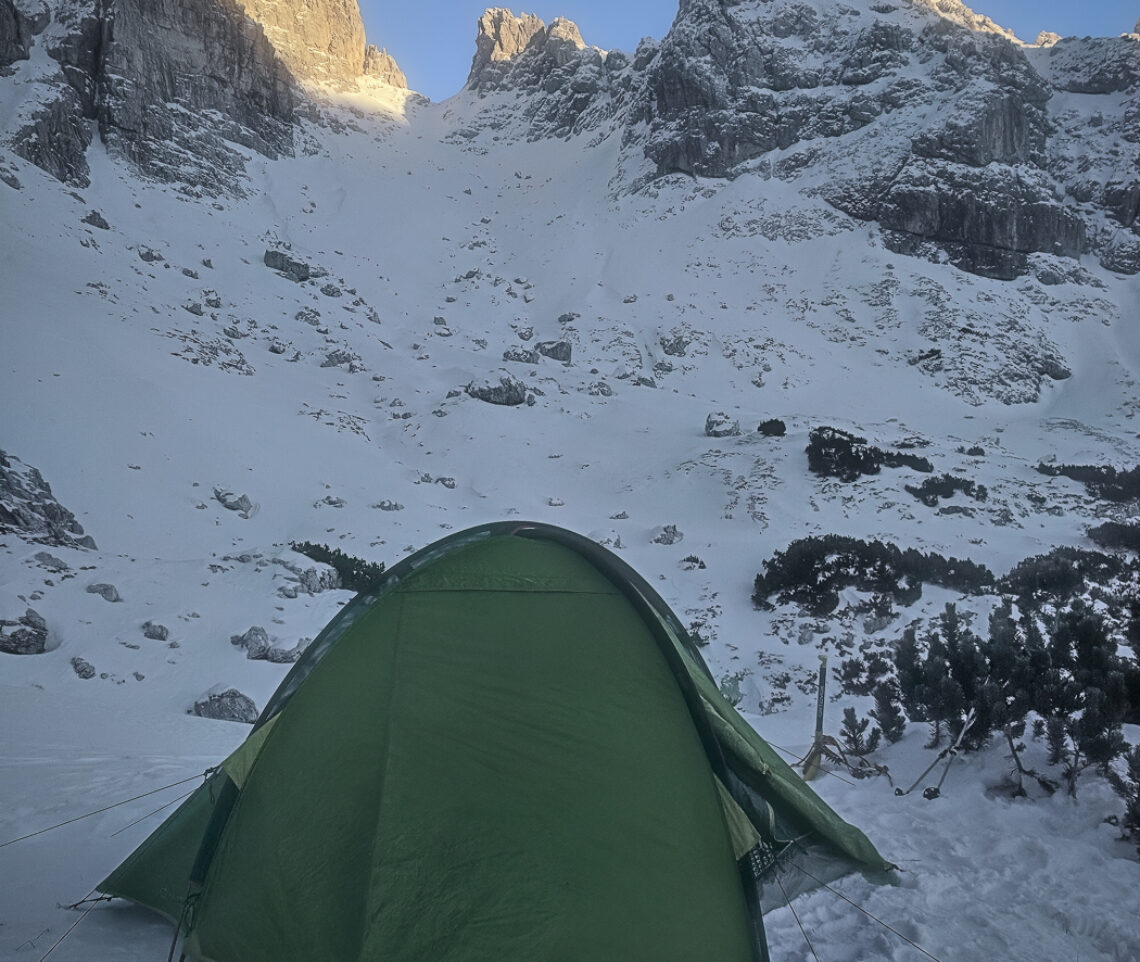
<point x="509" y="750"/>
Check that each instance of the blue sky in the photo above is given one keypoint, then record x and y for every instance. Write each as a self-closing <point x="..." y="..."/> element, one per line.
<point x="433" y="40"/>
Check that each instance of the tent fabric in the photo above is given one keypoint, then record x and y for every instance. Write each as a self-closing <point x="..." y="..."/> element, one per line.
<point x="510" y="750"/>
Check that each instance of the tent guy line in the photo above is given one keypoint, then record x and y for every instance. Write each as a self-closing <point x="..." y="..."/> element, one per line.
<point x="107" y="808"/>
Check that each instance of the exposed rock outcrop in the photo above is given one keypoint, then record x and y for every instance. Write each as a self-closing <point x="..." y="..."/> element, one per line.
<point x="317" y="40"/>
<point x="926" y="117"/>
<point x="227" y="705"/>
<point x="173" y="83"/>
<point x="570" y="86"/>
<point x="25" y="636"/>
<point x="382" y="65"/>
<point x="507" y="390"/>
<point x="29" y="510"/>
<point x="224" y="74"/>
<point x="17" y="28"/>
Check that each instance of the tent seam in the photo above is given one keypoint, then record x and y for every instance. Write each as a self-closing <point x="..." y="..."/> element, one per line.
<point x="386" y="758"/>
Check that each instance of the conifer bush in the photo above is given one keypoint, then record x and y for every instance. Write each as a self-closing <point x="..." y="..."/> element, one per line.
<point x="356" y="574"/>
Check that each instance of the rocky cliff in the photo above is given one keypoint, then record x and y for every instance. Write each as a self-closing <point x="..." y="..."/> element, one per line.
<point x="561" y="86"/>
<point x="929" y="120"/>
<point x="173" y="84"/>
<point x="921" y="116"/>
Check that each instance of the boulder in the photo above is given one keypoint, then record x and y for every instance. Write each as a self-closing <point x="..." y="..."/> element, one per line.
<point x="520" y="354"/>
<point x="507" y="390"/>
<point x="555" y="350"/>
<point x="255" y="642"/>
<point x="84" y="669"/>
<point x="234" y="502"/>
<point x="721" y="425"/>
<point x="26" y="636"/>
<point x="227" y="705"/>
<point x="29" y="510"/>
<point x="290" y="267"/>
<point x="106" y="591"/>
<point x="155" y="632"/>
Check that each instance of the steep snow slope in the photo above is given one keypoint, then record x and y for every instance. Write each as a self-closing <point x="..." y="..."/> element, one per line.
<point x="155" y="366"/>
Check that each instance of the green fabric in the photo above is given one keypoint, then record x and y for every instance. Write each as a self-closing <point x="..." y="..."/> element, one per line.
<point x="741" y="741"/>
<point x="517" y="778"/>
<point x="157" y="873"/>
<point x="501" y="754"/>
<point x="743" y="833"/>
<point x="238" y="765"/>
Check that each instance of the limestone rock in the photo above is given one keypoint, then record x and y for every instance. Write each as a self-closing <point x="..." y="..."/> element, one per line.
<point x="95" y="219"/>
<point x="29" y="510"/>
<point x="382" y="65"/>
<point x="16" y="32"/>
<point x="25" y="636"/>
<point x="668" y="535"/>
<point x="502" y="36"/>
<point x="285" y="656"/>
<point x="84" y="669"/>
<point x="234" y="502"/>
<point x="291" y="267"/>
<point x="570" y="86"/>
<point x="255" y="641"/>
<point x="227" y="705"/>
<point x="317" y="40"/>
<point x="506" y="390"/>
<point x="155" y="632"/>
<point x="207" y="59"/>
<point x="721" y="425"/>
<point x="105" y="591"/>
<point x="520" y="354"/>
<point x="555" y="350"/>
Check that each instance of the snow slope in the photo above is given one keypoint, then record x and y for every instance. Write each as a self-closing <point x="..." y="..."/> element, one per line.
<point x="139" y="385"/>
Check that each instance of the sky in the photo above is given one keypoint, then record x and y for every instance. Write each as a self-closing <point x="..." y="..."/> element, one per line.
<point x="433" y="40"/>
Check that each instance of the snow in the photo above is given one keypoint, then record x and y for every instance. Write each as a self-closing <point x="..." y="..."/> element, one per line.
<point x="100" y="392"/>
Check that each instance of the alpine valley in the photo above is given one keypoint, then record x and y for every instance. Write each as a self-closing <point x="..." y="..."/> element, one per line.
<point x="852" y="271"/>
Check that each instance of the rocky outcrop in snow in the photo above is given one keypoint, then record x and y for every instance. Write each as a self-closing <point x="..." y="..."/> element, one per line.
<point x="29" y="510"/>
<point x="172" y="84"/>
<point x="734" y="83"/>
<point x="27" y="635"/>
<point x="17" y="27"/>
<point x="570" y="86"/>
<point x="227" y="705"/>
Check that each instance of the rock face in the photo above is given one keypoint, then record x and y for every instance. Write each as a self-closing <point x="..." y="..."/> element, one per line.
<point x="924" y="117"/>
<point x="29" y="510"/>
<point x="172" y="83"/>
<point x="16" y="31"/>
<point x="570" y="87"/>
<point x="224" y="72"/>
<point x="316" y="40"/>
<point x="382" y="65"/>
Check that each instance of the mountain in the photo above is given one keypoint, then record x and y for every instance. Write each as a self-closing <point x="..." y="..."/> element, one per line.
<point x="256" y="292"/>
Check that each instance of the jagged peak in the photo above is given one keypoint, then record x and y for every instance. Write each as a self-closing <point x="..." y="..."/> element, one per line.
<point x="382" y="65"/>
<point x="502" y="37"/>
<point x="959" y="13"/>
